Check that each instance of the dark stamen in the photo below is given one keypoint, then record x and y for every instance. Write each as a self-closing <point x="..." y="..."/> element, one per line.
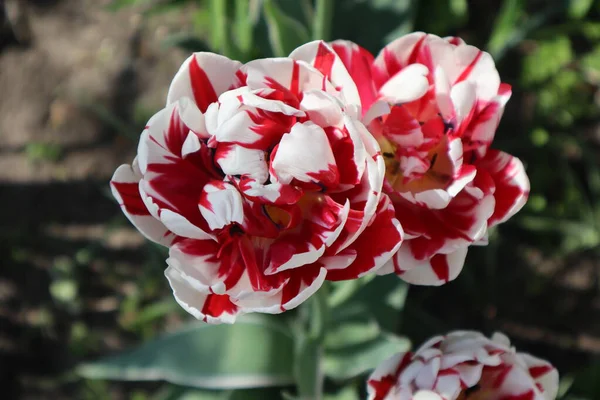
<point x="236" y="230"/>
<point x="448" y="126"/>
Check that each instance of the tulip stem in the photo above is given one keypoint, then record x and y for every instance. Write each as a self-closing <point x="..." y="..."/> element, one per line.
<point x="322" y="19"/>
<point x="309" y="347"/>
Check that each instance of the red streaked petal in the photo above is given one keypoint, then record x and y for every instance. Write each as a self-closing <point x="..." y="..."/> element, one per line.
<point x="206" y="306"/>
<point x="408" y="84"/>
<point x="386" y="375"/>
<point x="435" y="271"/>
<point x="375" y="246"/>
<point x="272" y="193"/>
<point x="196" y="261"/>
<point x="238" y="160"/>
<point x="305" y="154"/>
<point x="402" y="128"/>
<point x="303" y="283"/>
<point x="512" y="184"/>
<point x="322" y="56"/>
<point x="286" y="75"/>
<point x="397" y="55"/>
<point x="323" y="224"/>
<point x="203" y="77"/>
<point x="221" y="204"/>
<point x="358" y="61"/>
<point x="125" y="188"/>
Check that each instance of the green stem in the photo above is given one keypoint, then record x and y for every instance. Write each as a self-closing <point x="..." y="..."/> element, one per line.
<point x="309" y="347"/>
<point x="322" y="20"/>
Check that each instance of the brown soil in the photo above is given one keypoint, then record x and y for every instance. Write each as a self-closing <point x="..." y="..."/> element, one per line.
<point x="75" y="89"/>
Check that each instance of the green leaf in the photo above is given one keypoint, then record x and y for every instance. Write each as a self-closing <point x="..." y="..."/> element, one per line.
<point x="505" y="26"/>
<point x="459" y="8"/>
<point x="586" y="381"/>
<point x="184" y="393"/>
<point x="49" y="152"/>
<point x="64" y="290"/>
<point x="344" y="290"/>
<point x="591" y="64"/>
<point x="219" y="35"/>
<point x="246" y="16"/>
<point x="577" y="234"/>
<point x="153" y="312"/>
<point x="509" y="31"/>
<point x="547" y="59"/>
<point x="254" y="352"/>
<point x="348" y="393"/>
<point x="350" y="361"/>
<point x="351" y="333"/>
<point x="591" y="30"/>
<point x="579" y="8"/>
<point x="322" y="19"/>
<point x="285" y="33"/>
<point x="381" y="298"/>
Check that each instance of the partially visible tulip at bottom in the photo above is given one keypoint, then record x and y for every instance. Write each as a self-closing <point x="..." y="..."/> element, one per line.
<point x="464" y="365"/>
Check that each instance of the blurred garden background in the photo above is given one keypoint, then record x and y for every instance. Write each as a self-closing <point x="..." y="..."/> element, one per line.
<point x="80" y="78"/>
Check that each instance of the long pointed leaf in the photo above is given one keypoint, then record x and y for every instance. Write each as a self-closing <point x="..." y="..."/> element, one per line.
<point x="254" y="352"/>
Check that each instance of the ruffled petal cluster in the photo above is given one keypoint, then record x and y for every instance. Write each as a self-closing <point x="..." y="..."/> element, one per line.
<point x="262" y="181"/>
<point x="464" y="365"/>
<point x="434" y="105"/>
<point x="265" y="179"/>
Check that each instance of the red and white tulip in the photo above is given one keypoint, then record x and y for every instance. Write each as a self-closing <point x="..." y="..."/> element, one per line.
<point x="262" y="181"/>
<point x="434" y="105"/>
<point x="464" y="365"/>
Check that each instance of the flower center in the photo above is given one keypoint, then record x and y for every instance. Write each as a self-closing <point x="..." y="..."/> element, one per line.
<point x="411" y="170"/>
<point x="392" y="164"/>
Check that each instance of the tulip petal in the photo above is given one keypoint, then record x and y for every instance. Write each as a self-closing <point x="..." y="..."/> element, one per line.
<point x="238" y="160"/>
<point x="208" y="307"/>
<point x="382" y="238"/>
<point x="436" y="271"/>
<point x="406" y="85"/>
<point x="512" y="184"/>
<point x="305" y="154"/>
<point x="203" y="77"/>
<point x="125" y="188"/>
<point x="323" y="58"/>
<point x="221" y="205"/>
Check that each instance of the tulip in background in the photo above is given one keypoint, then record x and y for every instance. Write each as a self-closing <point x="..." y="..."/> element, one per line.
<point x="464" y="365"/>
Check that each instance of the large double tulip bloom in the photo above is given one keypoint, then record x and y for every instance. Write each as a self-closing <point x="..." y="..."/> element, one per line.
<point x="262" y="181"/>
